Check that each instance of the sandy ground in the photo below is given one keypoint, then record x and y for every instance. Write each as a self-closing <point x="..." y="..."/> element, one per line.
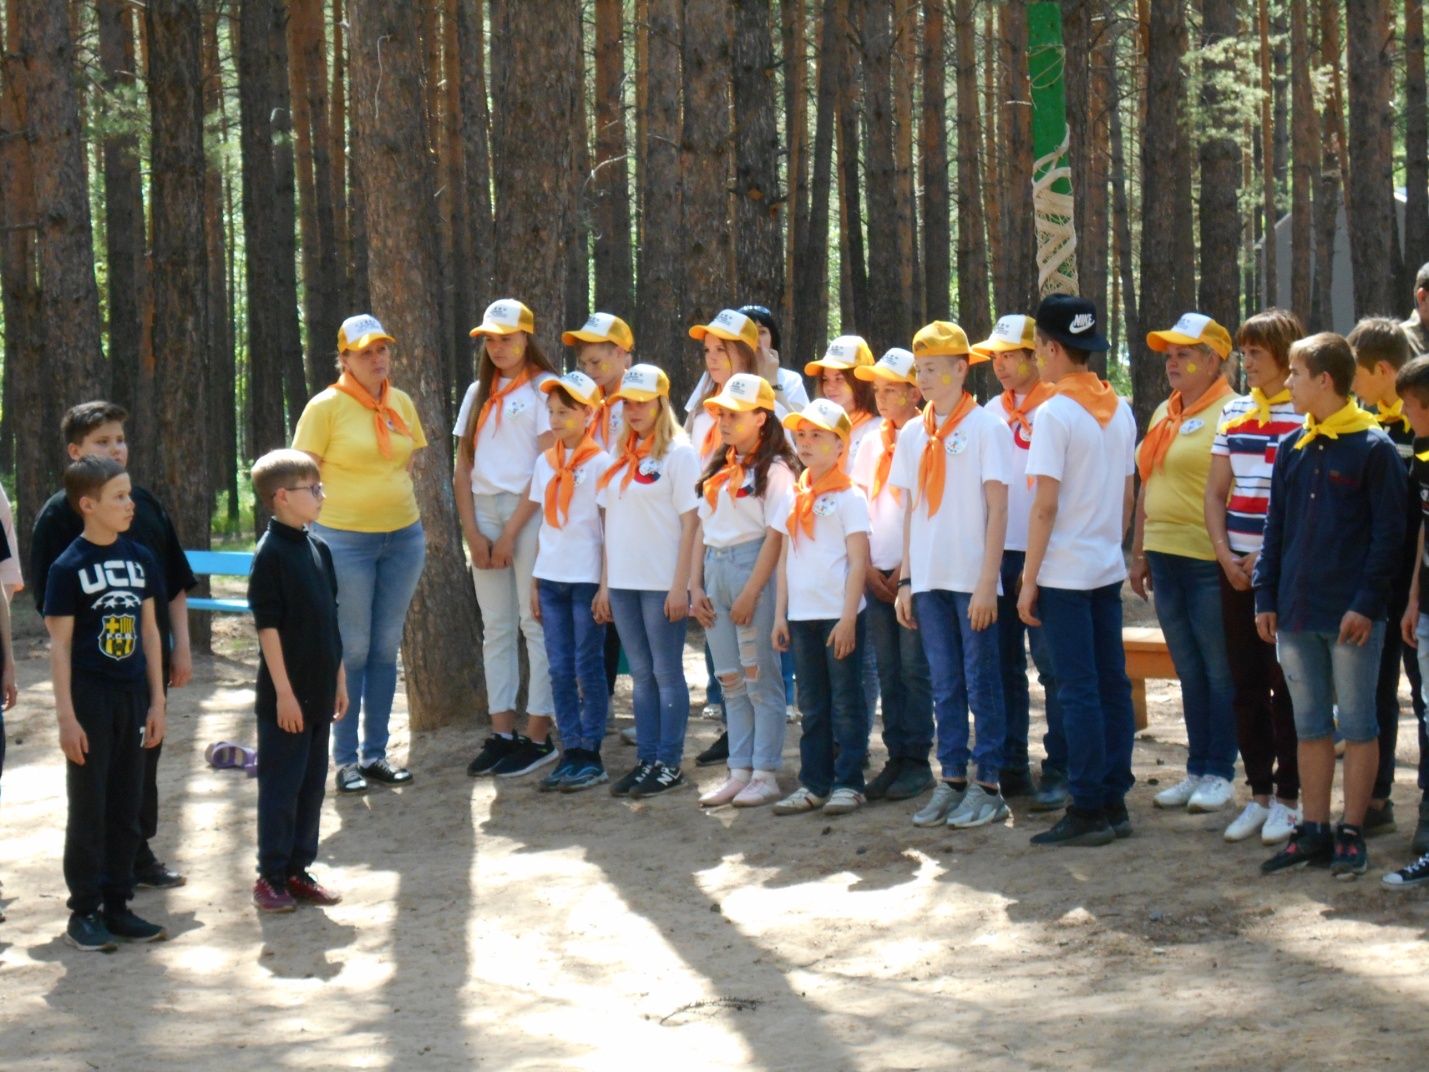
<point x="489" y="926"/>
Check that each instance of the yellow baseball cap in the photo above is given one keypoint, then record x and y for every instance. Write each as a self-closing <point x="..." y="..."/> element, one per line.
<point x="845" y="352"/>
<point x="505" y="317"/>
<point x="578" y="385"/>
<point x="821" y="413"/>
<point x="743" y="392"/>
<point x="1191" y="329"/>
<point x="896" y="366"/>
<point x="1014" y="332"/>
<point x="641" y="383"/>
<point x="602" y="327"/>
<point x="359" y="332"/>
<point x="943" y="338"/>
<point x="731" y="324"/>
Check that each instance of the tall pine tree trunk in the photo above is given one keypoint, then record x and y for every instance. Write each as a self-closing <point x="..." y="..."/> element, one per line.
<point x="704" y="173"/>
<point x="974" y="312"/>
<point x="905" y="71"/>
<point x="337" y="143"/>
<point x="1084" y="24"/>
<point x="758" y="228"/>
<point x="285" y="201"/>
<point x="1416" y="138"/>
<point x="887" y="323"/>
<point x="793" y="36"/>
<point x="1305" y="155"/>
<point x="1271" y="276"/>
<point x="853" y="289"/>
<point x="441" y="631"/>
<point x="457" y="203"/>
<point x="222" y="372"/>
<point x="1369" y="37"/>
<point x="1018" y="228"/>
<point x="1220" y="167"/>
<point x="476" y="145"/>
<point x="811" y="269"/>
<point x="937" y="230"/>
<point x="1329" y="192"/>
<point x="610" y="187"/>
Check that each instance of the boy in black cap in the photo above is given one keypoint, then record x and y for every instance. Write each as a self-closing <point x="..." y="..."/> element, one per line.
<point x="1083" y="458"/>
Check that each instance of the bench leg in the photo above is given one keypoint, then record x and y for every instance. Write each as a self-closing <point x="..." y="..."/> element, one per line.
<point x="1138" y="702"/>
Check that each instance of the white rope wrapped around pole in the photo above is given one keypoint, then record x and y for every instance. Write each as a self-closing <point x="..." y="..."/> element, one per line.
<point x="1056" y="235"/>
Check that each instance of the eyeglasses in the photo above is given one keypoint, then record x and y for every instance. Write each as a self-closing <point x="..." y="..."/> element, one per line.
<point x="316" y="489"/>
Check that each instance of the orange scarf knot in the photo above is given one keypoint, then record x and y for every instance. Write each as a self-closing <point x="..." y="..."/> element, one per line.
<point x="732" y="475"/>
<point x="1092" y="393"/>
<point x="493" y="400"/>
<point x="933" y="465"/>
<point x="563" y="484"/>
<point x="806" y="494"/>
<point x="1034" y="398"/>
<point x="1153" y="450"/>
<point x="384" y="418"/>
<point x="632" y="453"/>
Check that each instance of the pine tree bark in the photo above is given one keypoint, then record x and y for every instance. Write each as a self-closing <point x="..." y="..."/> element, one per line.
<point x="853" y="288"/>
<point x="1369" y="37"/>
<point x="1121" y="218"/>
<point x="705" y="168"/>
<point x="610" y="186"/>
<point x="476" y="148"/>
<point x="758" y="224"/>
<point x="578" y="252"/>
<point x="974" y="312"/>
<point x="1271" y="272"/>
<point x="1084" y="24"/>
<point x="905" y="204"/>
<point x="457" y="201"/>
<point x="1416" y="138"/>
<point x="1329" y="191"/>
<point x="811" y="270"/>
<point x="1305" y="155"/>
<point x="337" y="140"/>
<point x="1219" y="296"/>
<point x="442" y="624"/>
<point x="933" y="134"/>
<point x="793" y="37"/>
<point x="295" y="385"/>
<point x="222" y="378"/>
<point x="1017" y="231"/>
<point x="180" y="270"/>
<point x="887" y="323"/>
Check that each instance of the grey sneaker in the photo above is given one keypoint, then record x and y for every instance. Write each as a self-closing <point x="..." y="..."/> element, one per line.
<point x="978" y="808"/>
<point x="935" y="813"/>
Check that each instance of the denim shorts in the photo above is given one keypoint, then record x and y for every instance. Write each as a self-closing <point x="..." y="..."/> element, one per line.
<point x="1322" y="674"/>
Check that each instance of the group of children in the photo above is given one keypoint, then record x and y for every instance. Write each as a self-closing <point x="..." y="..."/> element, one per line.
<point x="903" y="542"/>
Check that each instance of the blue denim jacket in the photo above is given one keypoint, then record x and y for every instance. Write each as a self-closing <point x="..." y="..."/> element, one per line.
<point x="1334" y="532"/>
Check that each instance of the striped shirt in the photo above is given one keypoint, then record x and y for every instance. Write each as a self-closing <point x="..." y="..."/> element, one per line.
<point x="1251" y="449"/>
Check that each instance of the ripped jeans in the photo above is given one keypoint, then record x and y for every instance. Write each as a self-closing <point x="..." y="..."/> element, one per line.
<point x="754" y="704"/>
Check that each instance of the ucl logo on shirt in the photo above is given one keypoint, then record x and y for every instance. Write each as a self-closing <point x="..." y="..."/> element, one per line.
<point x="116" y="572"/>
<point x="118" y="630"/>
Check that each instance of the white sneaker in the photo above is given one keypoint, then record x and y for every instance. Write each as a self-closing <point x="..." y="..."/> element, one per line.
<point x="712" y="712"/>
<point x="844" y="800"/>
<point x="935" y="813"/>
<point x="1213" y="794"/>
<point x="978" y="807"/>
<point x="800" y="800"/>
<point x="1178" y="794"/>
<point x="791" y="714"/>
<point x="1280" y="824"/>
<point x="1248" y="822"/>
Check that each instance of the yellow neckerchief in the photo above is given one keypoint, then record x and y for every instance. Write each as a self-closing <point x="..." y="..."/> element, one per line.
<point x="1388" y="415"/>
<point x="1342" y="422"/>
<point x="1261" y="413"/>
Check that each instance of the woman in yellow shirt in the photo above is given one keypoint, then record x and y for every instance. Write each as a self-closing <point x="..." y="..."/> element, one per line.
<point x="364" y="433"/>
<point x="1173" y="556"/>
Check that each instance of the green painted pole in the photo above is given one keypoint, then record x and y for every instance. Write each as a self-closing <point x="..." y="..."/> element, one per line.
<point x="1051" y="175"/>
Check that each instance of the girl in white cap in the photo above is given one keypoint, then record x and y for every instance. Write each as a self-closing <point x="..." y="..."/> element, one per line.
<point x="502" y="427"/>
<point x="648" y="494"/>
<point x="730" y="341"/>
<point x="732" y="582"/>
<point x="839" y="383"/>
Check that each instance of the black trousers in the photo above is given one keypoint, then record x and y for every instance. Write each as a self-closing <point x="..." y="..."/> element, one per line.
<point x="102" y="831"/>
<point x="292" y="778"/>
<point x="1386" y="695"/>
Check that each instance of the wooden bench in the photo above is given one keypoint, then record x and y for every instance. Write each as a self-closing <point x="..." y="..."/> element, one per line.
<point x="220" y="564"/>
<point x="1146" y="656"/>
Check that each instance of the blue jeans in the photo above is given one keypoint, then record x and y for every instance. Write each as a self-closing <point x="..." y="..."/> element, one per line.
<point x="575" y="653"/>
<point x="963" y="665"/>
<point x="1083" y="631"/>
<point x="786" y="664"/>
<point x="1188" y="605"/>
<point x="377" y="573"/>
<point x="1321" y="672"/>
<point x="714" y="695"/>
<point x="655" y="650"/>
<point x="832" y="702"/>
<point x="903" y="680"/>
<point x="1016" y="698"/>
<point x="754" y="707"/>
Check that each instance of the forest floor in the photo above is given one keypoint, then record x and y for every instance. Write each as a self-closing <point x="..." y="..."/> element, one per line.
<point x="489" y="926"/>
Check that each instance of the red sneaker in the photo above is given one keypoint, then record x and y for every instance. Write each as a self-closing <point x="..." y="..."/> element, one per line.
<point x="305" y="888"/>
<point x="269" y="899"/>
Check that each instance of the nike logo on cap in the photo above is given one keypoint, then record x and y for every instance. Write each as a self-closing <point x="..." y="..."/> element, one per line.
<point x="1082" y="322"/>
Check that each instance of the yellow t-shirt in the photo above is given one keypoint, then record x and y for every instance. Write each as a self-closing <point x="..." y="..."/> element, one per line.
<point x="1176" y="492"/>
<point x="365" y="492"/>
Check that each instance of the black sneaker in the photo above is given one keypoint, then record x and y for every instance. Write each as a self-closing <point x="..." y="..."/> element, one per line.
<point x="525" y="757"/>
<point x="658" y="779"/>
<point x="157" y="876"/>
<point x="1119" y="820"/>
<point x="384" y="773"/>
<point x="1078" y="828"/>
<point x="1351" y="856"/>
<point x="1416" y="874"/>
<point x="1379" y="820"/>
<point x="1017" y="783"/>
<point x="570" y="759"/>
<point x="1304" y="849"/>
<point x="350" y="781"/>
<point x="622" y="787"/>
<point x="128" y="927"/>
<point x="1420" y="844"/>
<point x="715" y="753"/>
<point x="877" y="788"/>
<point x="1054" y="794"/>
<point x="914" y="779"/>
<point x="88" y="933"/>
<point x="493" y="750"/>
<point x="589" y="772"/>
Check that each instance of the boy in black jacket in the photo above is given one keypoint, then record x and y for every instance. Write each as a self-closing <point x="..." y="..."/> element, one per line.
<point x="302" y="688"/>
<point x="97" y="428"/>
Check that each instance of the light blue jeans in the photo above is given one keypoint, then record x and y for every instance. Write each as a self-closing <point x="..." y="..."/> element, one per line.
<point x="655" y="649"/>
<point x="754" y="708"/>
<point x="377" y="573"/>
<point x="1320" y="673"/>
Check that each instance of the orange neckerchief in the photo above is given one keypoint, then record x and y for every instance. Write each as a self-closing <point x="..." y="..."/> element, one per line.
<point x="384" y="417"/>
<point x="711" y="440"/>
<point x="1017" y="415"/>
<point x="802" y="516"/>
<point x="732" y="474"/>
<point x="1092" y="393"/>
<point x="885" y="462"/>
<point x="497" y="394"/>
<point x="1163" y="433"/>
<point x="601" y="430"/>
<point x="632" y="452"/>
<point x="563" y="485"/>
<point x="932" y="467"/>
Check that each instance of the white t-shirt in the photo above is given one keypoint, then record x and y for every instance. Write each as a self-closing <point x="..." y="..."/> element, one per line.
<point x="642" y="522"/>
<point x="731" y="522"/>
<point x="1092" y="464"/>
<point x="885" y="513"/>
<point x="1019" y="495"/>
<point x="571" y="553"/>
<point x="617" y="416"/>
<point x="700" y="429"/>
<point x="856" y="437"/>
<point x="506" y="453"/>
<point x="945" y="551"/>
<point x="818" y="567"/>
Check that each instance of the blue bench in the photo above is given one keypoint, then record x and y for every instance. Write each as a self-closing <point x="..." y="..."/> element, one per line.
<point x="220" y="564"/>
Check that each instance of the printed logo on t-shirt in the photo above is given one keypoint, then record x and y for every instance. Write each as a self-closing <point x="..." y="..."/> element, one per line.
<point x="747" y="488"/>
<point x="824" y="505"/>
<point x="1195" y="424"/>
<point x="957" y="442"/>
<point x="578" y="477"/>
<point x="1021" y="437"/>
<point x="119" y="623"/>
<point x="515" y="406"/>
<point x="649" y="471"/>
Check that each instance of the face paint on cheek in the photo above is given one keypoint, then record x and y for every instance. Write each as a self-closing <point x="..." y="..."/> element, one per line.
<point x="1022" y="368"/>
<point x="947" y="378"/>
<point x="824" y="448"/>
<point x="1192" y="367"/>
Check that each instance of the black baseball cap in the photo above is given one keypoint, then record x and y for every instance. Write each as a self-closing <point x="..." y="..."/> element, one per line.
<point x="1071" y="321"/>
